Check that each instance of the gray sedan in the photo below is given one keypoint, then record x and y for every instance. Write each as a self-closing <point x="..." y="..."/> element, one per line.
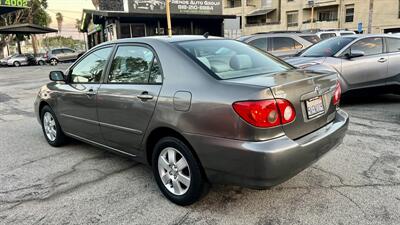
<point x="197" y="110"/>
<point x="361" y="61"/>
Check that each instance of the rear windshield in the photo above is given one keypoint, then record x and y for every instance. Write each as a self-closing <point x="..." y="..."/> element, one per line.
<point x="311" y="38"/>
<point x="327" y="48"/>
<point x="227" y="59"/>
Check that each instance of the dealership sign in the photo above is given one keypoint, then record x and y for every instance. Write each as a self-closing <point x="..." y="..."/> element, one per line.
<point x="209" y="7"/>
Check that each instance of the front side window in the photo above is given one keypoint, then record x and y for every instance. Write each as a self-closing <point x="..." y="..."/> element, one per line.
<point x="134" y="65"/>
<point x="66" y="50"/>
<point x="260" y="43"/>
<point x="228" y="59"/>
<point x="284" y="44"/>
<point x="90" y="69"/>
<point x="327" y="48"/>
<point x="370" y="46"/>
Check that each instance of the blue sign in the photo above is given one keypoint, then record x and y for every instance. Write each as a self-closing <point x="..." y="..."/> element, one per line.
<point x="360" y="28"/>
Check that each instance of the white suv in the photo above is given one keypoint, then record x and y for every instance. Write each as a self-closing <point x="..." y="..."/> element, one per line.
<point x="333" y="33"/>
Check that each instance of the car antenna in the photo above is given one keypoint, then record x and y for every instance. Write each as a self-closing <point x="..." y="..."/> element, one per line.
<point x="206" y="34"/>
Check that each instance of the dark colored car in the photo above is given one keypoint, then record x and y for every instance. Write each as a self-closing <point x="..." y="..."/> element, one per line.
<point x="197" y="110"/>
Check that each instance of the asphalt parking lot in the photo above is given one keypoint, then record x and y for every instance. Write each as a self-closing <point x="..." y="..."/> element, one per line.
<point x="358" y="183"/>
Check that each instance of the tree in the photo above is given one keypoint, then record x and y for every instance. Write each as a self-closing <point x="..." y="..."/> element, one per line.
<point x="35" y="14"/>
<point x="60" y="19"/>
<point x="78" y="24"/>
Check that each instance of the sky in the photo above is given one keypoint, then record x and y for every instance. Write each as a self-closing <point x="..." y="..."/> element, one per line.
<point x="71" y="10"/>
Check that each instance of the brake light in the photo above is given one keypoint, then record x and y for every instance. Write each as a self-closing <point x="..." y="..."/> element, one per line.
<point x="265" y="113"/>
<point x="337" y="94"/>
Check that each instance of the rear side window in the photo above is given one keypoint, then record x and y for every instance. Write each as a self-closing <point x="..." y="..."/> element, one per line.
<point x="311" y="38"/>
<point x="134" y="65"/>
<point x="393" y="44"/>
<point x="284" y="44"/>
<point x="66" y="50"/>
<point x="370" y="46"/>
<point x="260" y="43"/>
<point x="327" y="35"/>
<point x="344" y="34"/>
<point x="228" y="59"/>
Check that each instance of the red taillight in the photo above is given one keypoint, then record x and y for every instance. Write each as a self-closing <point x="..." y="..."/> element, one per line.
<point x="46" y="55"/>
<point x="265" y="113"/>
<point x="337" y="94"/>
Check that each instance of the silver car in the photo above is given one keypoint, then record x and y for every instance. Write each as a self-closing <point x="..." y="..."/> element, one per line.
<point x="281" y="44"/>
<point x="57" y="55"/>
<point x="20" y="60"/>
<point x="361" y="61"/>
<point x="197" y="110"/>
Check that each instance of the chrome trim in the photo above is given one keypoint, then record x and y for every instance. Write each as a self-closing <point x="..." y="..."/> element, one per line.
<point x="79" y="118"/>
<point x="126" y="129"/>
<point x="98" y="144"/>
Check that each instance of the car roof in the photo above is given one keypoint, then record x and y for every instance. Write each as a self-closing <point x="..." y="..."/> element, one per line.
<point x="172" y="39"/>
<point x="358" y="36"/>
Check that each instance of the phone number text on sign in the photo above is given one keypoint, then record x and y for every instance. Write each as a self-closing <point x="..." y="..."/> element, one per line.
<point x="18" y="3"/>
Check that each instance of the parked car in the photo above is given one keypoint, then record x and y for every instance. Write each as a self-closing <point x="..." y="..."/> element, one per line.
<point x="281" y="44"/>
<point x="361" y="61"/>
<point x="20" y="60"/>
<point x="325" y="34"/>
<point x="57" y="55"/>
<point x="227" y="114"/>
<point x="4" y="61"/>
<point x="40" y="59"/>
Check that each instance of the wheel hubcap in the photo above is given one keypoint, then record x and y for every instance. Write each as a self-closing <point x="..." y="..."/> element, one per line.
<point x="174" y="171"/>
<point x="49" y="125"/>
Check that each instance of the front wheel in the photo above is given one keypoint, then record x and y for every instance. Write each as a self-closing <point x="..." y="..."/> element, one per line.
<point x="177" y="172"/>
<point x="51" y="128"/>
<point x="17" y="64"/>
<point x="53" y="62"/>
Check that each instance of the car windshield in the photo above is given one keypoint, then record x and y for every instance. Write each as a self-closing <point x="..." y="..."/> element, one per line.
<point x="327" y="48"/>
<point x="227" y="59"/>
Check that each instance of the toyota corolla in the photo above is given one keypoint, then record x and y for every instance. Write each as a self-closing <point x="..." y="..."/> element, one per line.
<point x="198" y="110"/>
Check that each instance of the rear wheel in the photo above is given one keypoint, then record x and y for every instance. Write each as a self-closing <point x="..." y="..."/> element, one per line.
<point x="17" y="64"/>
<point x="177" y="172"/>
<point x="51" y="128"/>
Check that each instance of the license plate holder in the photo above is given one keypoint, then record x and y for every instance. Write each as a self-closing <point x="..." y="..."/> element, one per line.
<point x="315" y="107"/>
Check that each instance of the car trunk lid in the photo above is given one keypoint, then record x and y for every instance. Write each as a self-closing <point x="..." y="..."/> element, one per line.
<point x="300" y="86"/>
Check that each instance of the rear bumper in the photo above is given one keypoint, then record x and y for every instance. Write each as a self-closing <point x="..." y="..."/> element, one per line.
<point x="266" y="163"/>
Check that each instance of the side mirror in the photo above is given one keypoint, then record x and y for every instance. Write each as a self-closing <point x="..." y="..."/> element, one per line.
<point x="57" y="76"/>
<point x="355" y="54"/>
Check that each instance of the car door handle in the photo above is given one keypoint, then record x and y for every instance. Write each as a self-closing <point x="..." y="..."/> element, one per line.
<point x="382" y="60"/>
<point x="90" y="92"/>
<point x="145" y="96"/>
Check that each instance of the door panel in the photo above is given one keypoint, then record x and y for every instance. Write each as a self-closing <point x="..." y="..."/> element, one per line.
<point x="128" y="98"/>
<point x="77" y="110"/>
<point x="123" y="116"/>
<point x="369" y="69"/>
<point x="393" y="47"/>
<point x="77" y="101"/>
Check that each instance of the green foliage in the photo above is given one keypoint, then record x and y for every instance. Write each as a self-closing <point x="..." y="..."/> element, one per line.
<point x="60" y="41"/>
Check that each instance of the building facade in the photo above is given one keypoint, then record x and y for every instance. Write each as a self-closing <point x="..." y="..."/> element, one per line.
<point x="283" y="15"/>
<point x="116" y="19"/>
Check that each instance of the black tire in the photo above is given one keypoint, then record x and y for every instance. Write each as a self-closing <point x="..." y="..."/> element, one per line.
<point x="53" y="62"/>
<point x="17" y="64"/>
<point x="60" y="138"/>
<point x="198" y="185"/>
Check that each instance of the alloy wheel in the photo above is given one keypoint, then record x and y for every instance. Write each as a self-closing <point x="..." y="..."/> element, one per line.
<point x="49" y="126"/>
<point x="174" y="171"/>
